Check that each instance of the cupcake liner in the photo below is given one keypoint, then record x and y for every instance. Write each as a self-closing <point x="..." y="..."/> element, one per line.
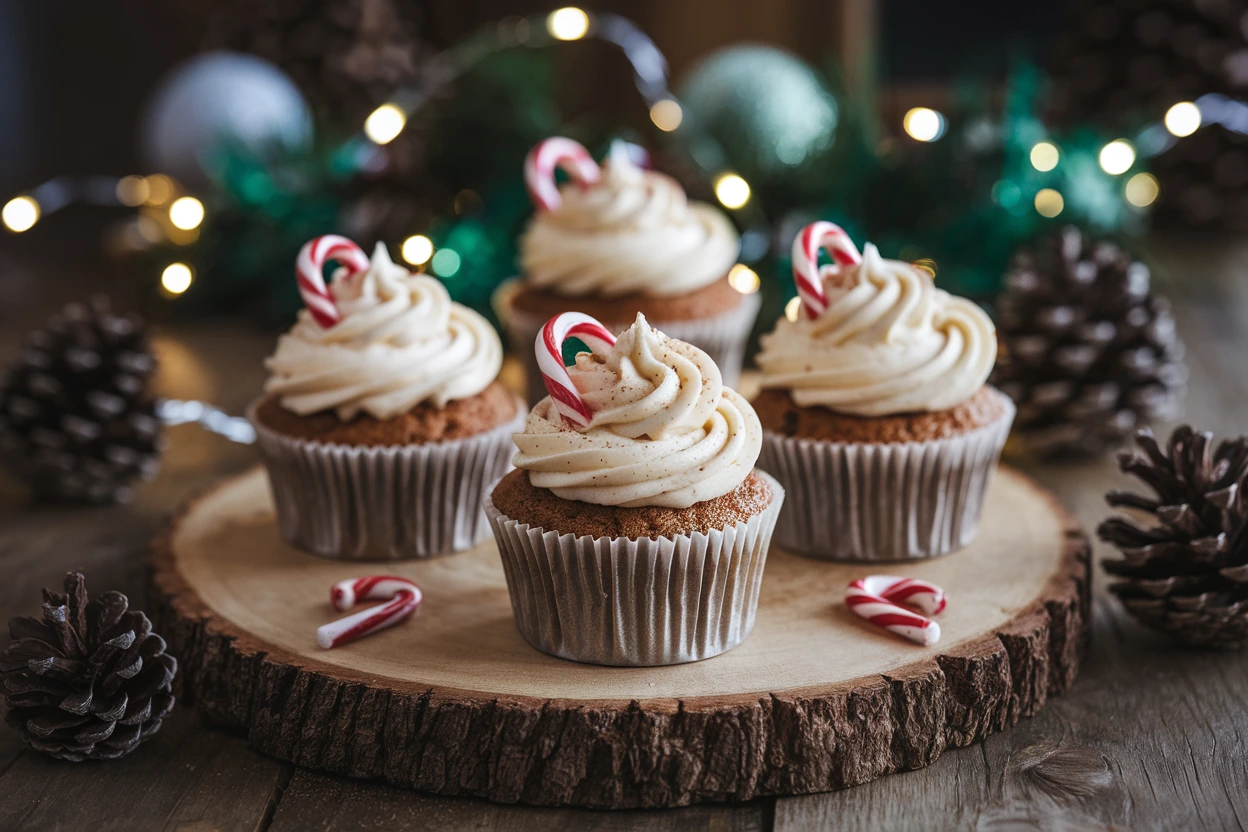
<point x="883" y="502"/>
<point x="384" y="503"/>
<point x="635" y="603"/>
<point x="723" y="337"/>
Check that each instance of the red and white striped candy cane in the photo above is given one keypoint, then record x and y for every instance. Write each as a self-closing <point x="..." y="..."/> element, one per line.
<point x="308" y="272"/>
<point x="404" y="596"/>
<point x="876" y="597"/>
<point x="549" y="349"/>
<point x="806" y="274"/>
<point x="545" y="158"/>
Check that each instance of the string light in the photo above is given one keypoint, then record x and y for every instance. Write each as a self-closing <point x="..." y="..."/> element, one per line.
<point x="385" y="123"/>
<point x="132" y="191"/>
<point x="1044" y="156"/>
<point x="666" y="115"/>
<point x="176" y="278"/>
<point x="1049" y="203"/>
<point x="1142" y="190"/>
<point x="744" y="279"/>
<point x="732" y="191"/>
<point x="1117" y="157"/>
<point x="20" y="214"/>
<point x="793" y="308"/>
<point x="923" y="124"/>
<point x="186" y="213"/>
<point x="1183" y="119"/>
<point x="417" y="249"/>
<point x="446" y="263"/>
<point x="568" y="23"/>
<point x="160" y="189"/>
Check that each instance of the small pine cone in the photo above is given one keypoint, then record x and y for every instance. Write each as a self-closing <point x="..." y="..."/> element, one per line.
<point x="1088" y="352"/>
<point x="1185" y="573"/>
<point x="90" y="681"/>
<point x="76" y="421"/>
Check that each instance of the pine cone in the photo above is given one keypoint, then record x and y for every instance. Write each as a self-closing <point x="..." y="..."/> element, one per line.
<point x="1123" y="62"/>
<point x="1186" y="574"/>
<point x="88" y="682"/>
<point x="76" y="421"/>
<point x="1088" y="352"/>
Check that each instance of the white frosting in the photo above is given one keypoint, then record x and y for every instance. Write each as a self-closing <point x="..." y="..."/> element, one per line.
<point x="889" y="342"/>
<point x="401" y="341"/>
<point x="665" y="432"/>
<point x="632" y="231"/>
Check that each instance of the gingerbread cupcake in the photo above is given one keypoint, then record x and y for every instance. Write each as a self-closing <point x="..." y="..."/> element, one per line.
<point x="619" y="240"/>
<point x="876" y="416"/>
<point x="635" y="530"/>
<point x="383" y="422"/>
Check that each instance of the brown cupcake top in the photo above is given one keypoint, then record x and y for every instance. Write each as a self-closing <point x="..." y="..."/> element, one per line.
<point x="423" y="424"/>
<point x="520" y="500"/>
<point x="705" y="302"/>
<point x="780" y="414"/>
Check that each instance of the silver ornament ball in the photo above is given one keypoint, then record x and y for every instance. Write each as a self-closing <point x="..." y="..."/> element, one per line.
<point x="217" y="99"/>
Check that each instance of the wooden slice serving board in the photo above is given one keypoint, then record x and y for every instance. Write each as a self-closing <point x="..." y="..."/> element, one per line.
<point x="454" y="701"/>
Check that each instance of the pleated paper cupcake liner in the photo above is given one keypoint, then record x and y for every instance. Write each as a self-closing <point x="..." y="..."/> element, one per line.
<point x="723" y="337"/>
<point x="385" y="503"/>
<point x="635" y="603"/>
<point x="883" y="502"/>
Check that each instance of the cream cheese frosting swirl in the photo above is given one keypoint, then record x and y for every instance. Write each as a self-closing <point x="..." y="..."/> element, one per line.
<point x="665" y="430"/>
<point x="401" y="341"/>
<point x="889" y="342"/>
<point x="632" y="231"/>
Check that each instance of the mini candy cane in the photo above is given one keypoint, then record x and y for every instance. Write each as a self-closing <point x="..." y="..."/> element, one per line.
<point x="876" y="597"/>
<point x="404" y="596"/>
<point x="540" y="165"/>
<point x="549" y="348"/>
<point x="806" y="272"/>
<point x="308" y="266"/>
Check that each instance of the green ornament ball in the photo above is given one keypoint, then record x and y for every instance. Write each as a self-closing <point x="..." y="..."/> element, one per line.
<point x="769" y="110"/>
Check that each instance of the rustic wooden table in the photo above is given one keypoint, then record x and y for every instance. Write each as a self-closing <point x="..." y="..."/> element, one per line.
<point x="1151" y="736"/>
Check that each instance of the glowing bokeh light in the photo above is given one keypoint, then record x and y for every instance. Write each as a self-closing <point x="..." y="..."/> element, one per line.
<point x="1183" y="119"/>
<point x="20" y="214"/>
<point x="446" y="263"/>
<point x="731" y="190"/>
<point x="744" y="279"/>
<point x="923" y="124"/>
<point x="385" y="123"/>
<point x="666" y="115"/>
<point x="1117" y="157"/>
<point x="568" y="23"/>
<point x="1049" y="203"/>
<point x="186" y="213"/>
<point x="1142" y="190"/>
<point x="793" y="308"/>
<point x="417" y="249"/>
<point x="1044" y="156"/>
<point x="176" y="278"/>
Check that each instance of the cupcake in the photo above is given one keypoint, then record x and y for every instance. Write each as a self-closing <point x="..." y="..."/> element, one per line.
<point x="635" y="528"/>
<point x="617" y="241"/>
<point x="383" y="422"/>
<point x="876" y="416"/>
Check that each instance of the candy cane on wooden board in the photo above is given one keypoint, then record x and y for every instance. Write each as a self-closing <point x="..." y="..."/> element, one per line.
<point x="549" y="348"/>
<point x="545" y="158"/>
<point x="403" y="596"/>
<point x="806" y="274"/>
<point x="311" y="278"/>
<point x="876" y="599"/>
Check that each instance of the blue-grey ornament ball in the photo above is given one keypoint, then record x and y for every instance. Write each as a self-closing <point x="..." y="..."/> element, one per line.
<point x="771" y="112"/>
<point x="220" y="99"/>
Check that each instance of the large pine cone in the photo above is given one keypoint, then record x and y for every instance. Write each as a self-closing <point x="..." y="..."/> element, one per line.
<point x="89" y="681"/>
<point x="1124" y="62"/>
<point x="76" y="420"/>
<point x="1088" y="352"/>
<point x="1186" y="572"/>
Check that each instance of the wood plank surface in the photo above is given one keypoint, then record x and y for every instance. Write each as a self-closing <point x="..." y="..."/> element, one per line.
<point x="1150" y="737"/>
